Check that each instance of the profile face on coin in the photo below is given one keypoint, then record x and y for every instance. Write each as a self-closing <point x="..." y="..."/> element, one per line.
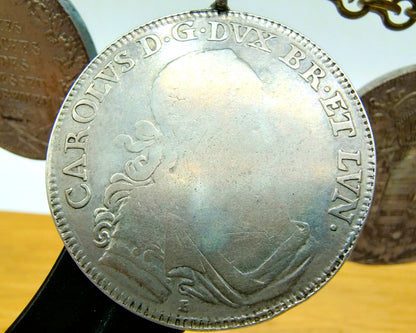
<point x="41" y="54"/>
<point x="389" y="235"/>
<point x="210" y="171"/>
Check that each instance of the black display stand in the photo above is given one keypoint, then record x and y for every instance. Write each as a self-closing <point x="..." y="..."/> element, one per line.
<point x="69" y="302"/>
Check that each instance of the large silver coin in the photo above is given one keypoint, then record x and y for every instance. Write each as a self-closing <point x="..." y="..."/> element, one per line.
<point x="211" y="171"/>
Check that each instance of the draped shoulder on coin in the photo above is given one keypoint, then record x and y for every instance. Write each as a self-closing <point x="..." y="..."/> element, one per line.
<point x="41" y="54"/>
<point x="211" y="171"/>
<point x="389" y="235"/>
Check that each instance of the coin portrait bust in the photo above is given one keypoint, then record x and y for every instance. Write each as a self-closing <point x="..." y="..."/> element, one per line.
<point x="220" y="171"/>
<point x="187" y="206"/>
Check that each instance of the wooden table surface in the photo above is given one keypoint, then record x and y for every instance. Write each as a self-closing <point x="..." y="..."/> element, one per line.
<point x="360" y="298"/>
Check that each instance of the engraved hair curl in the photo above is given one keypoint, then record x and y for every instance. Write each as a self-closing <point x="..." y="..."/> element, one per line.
<point x="137" y="172"/>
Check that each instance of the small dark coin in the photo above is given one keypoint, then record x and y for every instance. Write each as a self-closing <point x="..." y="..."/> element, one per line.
<point x="389" y="235"/>
<point x="41" y="53"/>
<point x="210" y="171"/>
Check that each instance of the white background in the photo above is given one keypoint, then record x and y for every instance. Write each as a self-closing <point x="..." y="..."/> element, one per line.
<point x="363" y="48"/>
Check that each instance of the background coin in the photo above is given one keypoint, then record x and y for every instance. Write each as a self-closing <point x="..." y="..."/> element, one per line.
<point x="389" y="235"/>
<point x="210" y="171"/>
<point x="41" y="53"/>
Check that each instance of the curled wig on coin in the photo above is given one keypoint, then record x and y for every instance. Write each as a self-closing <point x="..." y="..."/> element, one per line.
<point x="192" y="187"/>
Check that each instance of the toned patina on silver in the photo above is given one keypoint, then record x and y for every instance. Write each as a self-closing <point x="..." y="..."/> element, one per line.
<point x="44" y="45"/>
<point x="389" y="235"/>
<point x="211" y="170"/>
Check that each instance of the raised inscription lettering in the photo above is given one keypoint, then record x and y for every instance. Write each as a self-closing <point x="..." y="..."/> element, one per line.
<point x="84" y="111"/>
<point x="333" y="103"/>
<point x="124" y="60"/>
<point x="340" y="209"/>
<point x="182" y="31"/>
<point x="77" y="141"/>
<point x="345" y="196"/>
<point x="36" y="99"/>
<point x="351" y="178"/>
<point x="10" y="26"/>
<point x="339" y="117"/>
<point x="346" y="125"/>
<point x="22" y="81"/>
<point x="77" y="168"/>
<point x="343" y="156"/>
<point x="216" y="31"/>
<point x="83" y="201"/>
<point x="105" y="79"/>
<point x="108" y="74"/>
<point x="79" y="195"/>
<point x="294" y="57"/>
<point x="312" y="74"/>
<point x="19" y="45"/>
<point x="9" y="62"/>
<point x="245" y="34"/>
<point x="219" y="31"/>
<point x="150" y="44"/>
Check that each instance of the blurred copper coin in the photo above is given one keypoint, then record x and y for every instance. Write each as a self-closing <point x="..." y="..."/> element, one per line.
<point x="41" y="53"/>
<point x="389" y="235"/>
